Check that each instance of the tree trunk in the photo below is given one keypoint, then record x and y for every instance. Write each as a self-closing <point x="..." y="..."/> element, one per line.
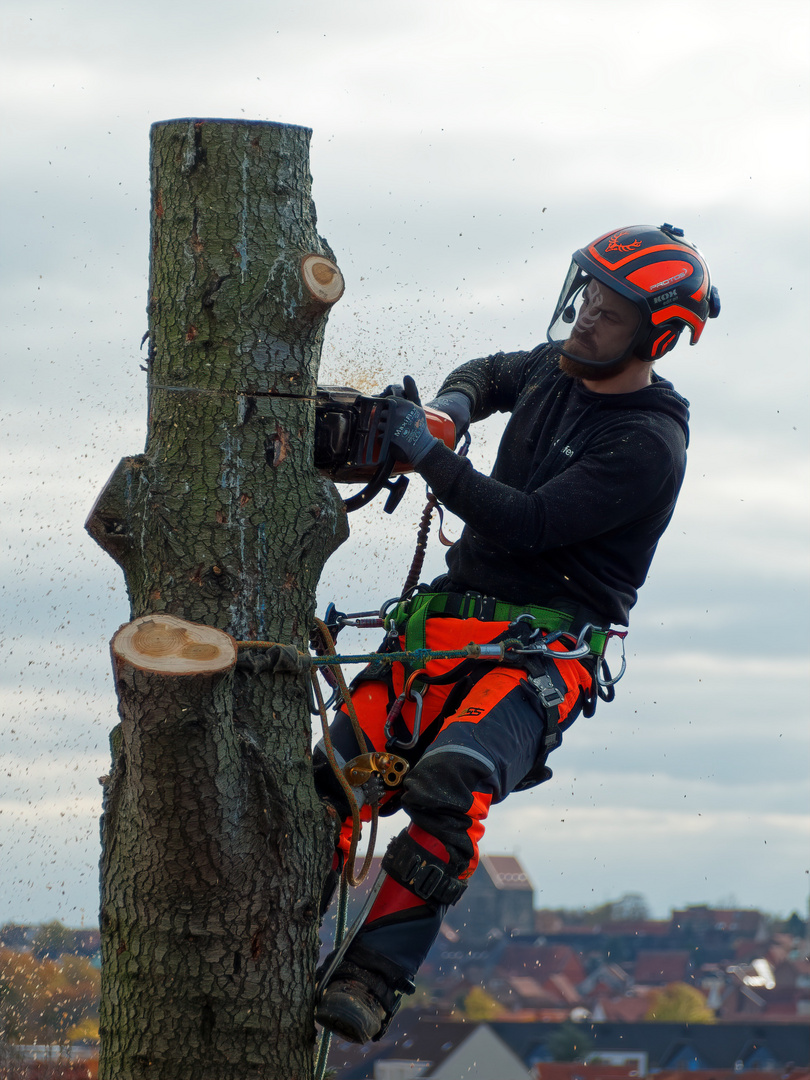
<point x="214" y="843"/>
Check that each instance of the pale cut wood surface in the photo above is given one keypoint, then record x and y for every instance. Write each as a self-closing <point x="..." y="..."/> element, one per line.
<point x="171" y="646"/>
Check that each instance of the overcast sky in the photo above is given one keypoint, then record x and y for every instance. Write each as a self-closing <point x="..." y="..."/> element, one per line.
<point x="460" y="153"/>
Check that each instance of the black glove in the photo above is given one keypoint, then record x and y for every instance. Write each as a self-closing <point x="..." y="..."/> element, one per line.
<point x="410" y="436"/>
<point x="457" y="406"/>
<point x="406" y="389"/>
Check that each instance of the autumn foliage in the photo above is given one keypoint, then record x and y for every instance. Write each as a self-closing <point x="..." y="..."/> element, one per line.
<point x="47" y="1070"/>
<point x="679" y="1003"/>
<point x="47" y="1001"/>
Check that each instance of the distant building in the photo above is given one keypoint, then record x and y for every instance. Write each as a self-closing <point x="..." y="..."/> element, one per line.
<point x="499" y="899"/>
<point x="661" y="968"/>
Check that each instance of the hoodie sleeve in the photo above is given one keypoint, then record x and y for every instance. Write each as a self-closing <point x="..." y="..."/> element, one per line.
<point x="628" y="472"/>
<point x="492" y="383"/>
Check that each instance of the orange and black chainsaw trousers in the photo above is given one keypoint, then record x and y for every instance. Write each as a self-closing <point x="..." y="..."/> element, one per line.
<point x="482" y="737"/>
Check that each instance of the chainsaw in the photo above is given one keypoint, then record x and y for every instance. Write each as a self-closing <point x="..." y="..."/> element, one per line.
<point x="353" y="442"/>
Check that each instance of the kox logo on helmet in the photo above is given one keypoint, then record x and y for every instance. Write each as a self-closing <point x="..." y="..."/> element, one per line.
<point x="665" y="296"/>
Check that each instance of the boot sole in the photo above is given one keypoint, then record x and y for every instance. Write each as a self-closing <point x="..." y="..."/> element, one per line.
<point x="347" y="1019"/>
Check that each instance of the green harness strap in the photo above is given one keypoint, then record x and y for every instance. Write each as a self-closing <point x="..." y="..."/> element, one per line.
<point x="416" y="612"/>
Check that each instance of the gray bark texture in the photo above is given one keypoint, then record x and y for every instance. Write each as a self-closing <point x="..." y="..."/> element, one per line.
<point x="214" y="844"/>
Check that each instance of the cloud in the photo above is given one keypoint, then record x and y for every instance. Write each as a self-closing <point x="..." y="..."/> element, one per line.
<point x="459" y="155"/>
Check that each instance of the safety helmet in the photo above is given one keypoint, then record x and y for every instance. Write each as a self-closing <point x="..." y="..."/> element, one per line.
<point x="660" y="272"/>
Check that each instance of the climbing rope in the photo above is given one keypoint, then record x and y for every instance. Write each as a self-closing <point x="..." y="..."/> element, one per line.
<point x="424" y="529"/>
<point x="341" y="921"/>
<point x="348" y="872"/>
<point x="410" y="656"/>
<point x="348" y="877"/>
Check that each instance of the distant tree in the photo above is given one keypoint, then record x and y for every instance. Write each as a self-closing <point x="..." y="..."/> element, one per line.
<point x="679" y="1003"/>
<point x="596" y="916"/>
<point x="13" y="935"/>
<point x="795" y="926"/>
<point x="629" y="908"/>
<point x="481" y="1006"/>
<point x="86" y="1029"/>
<point x="570" y="1042"/>
<point x="53" y="939"/>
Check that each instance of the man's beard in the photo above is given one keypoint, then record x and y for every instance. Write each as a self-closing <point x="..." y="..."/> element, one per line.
<point x="577" y="370"/>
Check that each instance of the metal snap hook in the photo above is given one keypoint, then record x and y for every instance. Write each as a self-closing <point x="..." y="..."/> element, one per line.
<point x="396" y="709"/>
<point x="605" y="683"/>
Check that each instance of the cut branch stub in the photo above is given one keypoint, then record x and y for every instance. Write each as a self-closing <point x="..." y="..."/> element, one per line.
<point x="171" y="646"/>
<point x="322" y="278"/>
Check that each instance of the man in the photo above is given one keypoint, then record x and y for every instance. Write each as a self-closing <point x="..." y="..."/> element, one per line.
<point x="556" y="543"/>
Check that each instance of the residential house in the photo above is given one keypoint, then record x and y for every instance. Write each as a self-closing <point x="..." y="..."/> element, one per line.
<point x="428" y="1048"/>
<point x="662" y="968"/>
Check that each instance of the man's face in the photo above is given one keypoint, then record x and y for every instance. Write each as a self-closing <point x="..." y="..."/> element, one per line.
<point x="603" y="331"/>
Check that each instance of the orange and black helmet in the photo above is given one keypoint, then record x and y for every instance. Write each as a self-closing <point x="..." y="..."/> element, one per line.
<point x="664" y="275"/>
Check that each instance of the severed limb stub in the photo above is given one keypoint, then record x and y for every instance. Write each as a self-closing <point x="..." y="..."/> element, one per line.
<point x="167" y="645"/>
<point x="322" y="278"/>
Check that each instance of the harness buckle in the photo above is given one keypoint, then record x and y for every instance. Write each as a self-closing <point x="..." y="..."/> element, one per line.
<point x="550" y="695"/>
<point x="420" y="872"/>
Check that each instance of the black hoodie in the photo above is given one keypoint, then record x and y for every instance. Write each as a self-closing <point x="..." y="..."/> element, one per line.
<point x="583" y="486"/>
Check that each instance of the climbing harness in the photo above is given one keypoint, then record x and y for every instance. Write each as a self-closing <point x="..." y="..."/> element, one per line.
<point x="413" y="613"/>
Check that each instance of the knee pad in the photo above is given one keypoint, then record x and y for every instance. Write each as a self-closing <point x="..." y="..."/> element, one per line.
<point x="421" y="872"/>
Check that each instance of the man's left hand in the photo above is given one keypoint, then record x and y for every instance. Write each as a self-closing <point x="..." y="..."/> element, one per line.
<point x="411" y="439"/>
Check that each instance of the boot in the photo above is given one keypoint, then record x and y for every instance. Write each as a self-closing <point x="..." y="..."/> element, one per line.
<point x="351" y="1005"/>
<point x="360" y="1001"/>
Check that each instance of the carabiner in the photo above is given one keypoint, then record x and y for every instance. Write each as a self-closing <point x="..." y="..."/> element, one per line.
<point x="581" y="647"/>
<point x="417" y="724"/>
<point x="383" y="612"/>
<point x="606" y="683"/>
<point x="396" y="710"/>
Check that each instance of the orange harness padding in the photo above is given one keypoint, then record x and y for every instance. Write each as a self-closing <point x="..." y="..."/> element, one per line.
<point x="443" y="634"/>
<point x="371" y="697"/>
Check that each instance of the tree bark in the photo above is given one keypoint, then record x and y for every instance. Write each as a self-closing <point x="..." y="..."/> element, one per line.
<point x="214" y="843"/>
